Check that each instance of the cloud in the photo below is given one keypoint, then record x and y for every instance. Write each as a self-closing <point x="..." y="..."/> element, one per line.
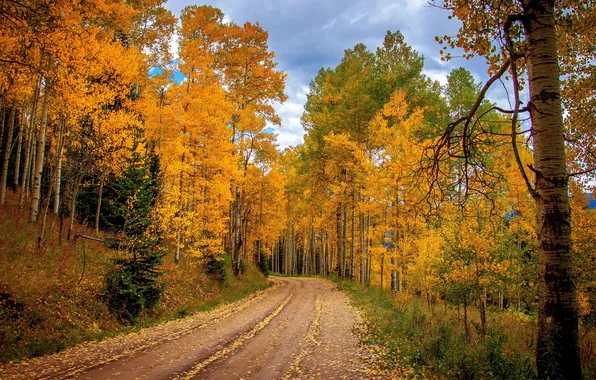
<point x="291" y="131"/>
<point x="437" y="75"/>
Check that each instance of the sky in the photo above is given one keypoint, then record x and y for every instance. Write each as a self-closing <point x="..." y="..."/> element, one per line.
<point x="307" y="35"/>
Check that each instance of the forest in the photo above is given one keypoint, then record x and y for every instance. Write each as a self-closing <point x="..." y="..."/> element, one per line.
<point x="140" y="185"/>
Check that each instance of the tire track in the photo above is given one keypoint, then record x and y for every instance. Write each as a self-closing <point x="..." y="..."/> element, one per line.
<point x="237" y="343"/>
<point x="311" y="340"/>
<point x="270" y="354"/>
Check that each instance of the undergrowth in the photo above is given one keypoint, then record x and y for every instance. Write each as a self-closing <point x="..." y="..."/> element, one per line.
<point x="402" y="336"/>
<point x="408" y="343"/>
<point x="52" y="297"/>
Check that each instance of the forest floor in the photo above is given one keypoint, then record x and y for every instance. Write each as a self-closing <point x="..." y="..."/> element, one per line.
<point x="298" y="328"/>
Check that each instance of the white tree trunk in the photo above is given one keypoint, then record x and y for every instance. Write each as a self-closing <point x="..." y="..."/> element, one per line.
<point x="39" y="156"/>
<point x="17" y="167"/>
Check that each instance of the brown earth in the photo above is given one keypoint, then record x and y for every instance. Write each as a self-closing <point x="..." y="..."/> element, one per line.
<point x="299" y="328"/>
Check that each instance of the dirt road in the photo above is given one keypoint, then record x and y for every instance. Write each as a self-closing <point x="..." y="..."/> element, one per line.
<point x="298" y="328"/>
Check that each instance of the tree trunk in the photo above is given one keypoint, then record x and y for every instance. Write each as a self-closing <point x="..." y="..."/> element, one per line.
<point x="236" y="231"/>
<point x="29" y="147"/>
<point x="27" y="166"/>
<point x="73" y="203"/>
<point x="58" y="179"/>
<point x="352" y="240"/>
<point x="98" y="209"/>
<point x="361" y="244"/>
<point x="294" y="253"/>
<point x="466" y="319"/>
<point x="482" y="308"/>
<point x="3" y="116"/>
<point x="382" y="269"/>
<point x="429" y="302"/>
<point x="557" y="353"/>
<point x="7" y="150"/>
<point x="17" y="166"/>
<point x="394" y="276"/>
<point x="52" y="188"/>
<point x="344" y="233"/>
<point x="39" y="156"/>
<point x="327" y="254"/>
<point x="368" y="244"/>
<point x="338" y="238"/>
<point x="44" y="216"/>
<point x="180" y="210"/>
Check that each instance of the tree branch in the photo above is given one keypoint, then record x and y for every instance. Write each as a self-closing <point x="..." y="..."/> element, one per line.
<point x="587" y="171"/>
<point x="516" y="110"/>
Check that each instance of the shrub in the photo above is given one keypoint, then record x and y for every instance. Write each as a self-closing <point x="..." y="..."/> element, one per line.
<point x="264" y="263"/>
<point x="242" y="267"/>
<point x="133" y="285"/>
<point x="215" y="267"/>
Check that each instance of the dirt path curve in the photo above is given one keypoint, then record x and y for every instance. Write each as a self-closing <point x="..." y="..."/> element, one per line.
<point x="300" y="328"/>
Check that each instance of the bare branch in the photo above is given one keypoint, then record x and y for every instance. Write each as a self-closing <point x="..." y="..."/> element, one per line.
<point x="587" y="171"/>
<point x="521" y="110"/>
<point x="512" y="60"/>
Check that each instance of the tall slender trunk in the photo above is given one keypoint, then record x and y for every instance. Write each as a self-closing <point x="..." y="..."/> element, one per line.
<point x="180" y="209"/>
<point x="394" y="275"/>
<point x="39" y="156"/>
<point x="32" y="166"/>
<point x="344" y="234"/>
<point x="329" y="254"/>
<point x="481" y="301"/>
<point x="466" y="319"/>
<point x="382" y="269"/>
<point x="44" y="216"/>
<point x="314" y="257"/>
<point x="557" y="353"/>
<point x="429" y="302"/>
<point x="98" y="209"/>
<point x="237" y="231"/>
<point x="338" y="238"/>
<point x="29" y="146"/>
<point x="3" y="116"/>
<point x="58" y="183"/>
<point x="73" y="203"/>
<point x="362" y="252"/>
<point x="305" y="255"/>
<point x="294" y="253"/>
<point x="482" y="304"/>
<point x="27" y="166"/>
<point x="353" y="237"/>
<point x="7" y="150"/>
<point x="52" y="188"/>
<point x="58" y="177"/>
<point x="17" y="166"/>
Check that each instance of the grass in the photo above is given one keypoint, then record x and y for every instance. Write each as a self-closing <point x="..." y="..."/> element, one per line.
<point x="406" y="343"/>
<point x="51" y="297"/>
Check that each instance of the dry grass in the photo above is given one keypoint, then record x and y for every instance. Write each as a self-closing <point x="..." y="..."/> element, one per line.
<point x="51" y="297"/>
<point x="400" y="329"/>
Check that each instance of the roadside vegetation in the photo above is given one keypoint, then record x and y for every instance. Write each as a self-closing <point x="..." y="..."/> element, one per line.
<point x="407" y="342"/>
<point x="54" y="297"/>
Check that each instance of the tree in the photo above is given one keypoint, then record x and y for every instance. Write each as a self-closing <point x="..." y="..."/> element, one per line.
<point x="517" y="35"/>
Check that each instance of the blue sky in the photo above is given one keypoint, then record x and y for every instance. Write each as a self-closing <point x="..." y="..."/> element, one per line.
<point x="309" y="34"/>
